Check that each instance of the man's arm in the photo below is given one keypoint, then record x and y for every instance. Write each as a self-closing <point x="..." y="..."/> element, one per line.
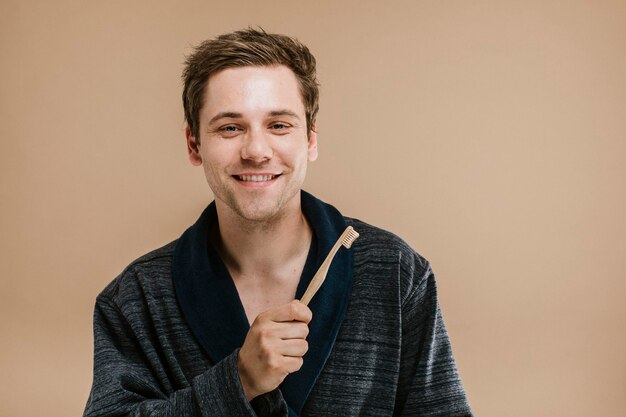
<point x="429" y="383"/>
<point x="125" y="385"/>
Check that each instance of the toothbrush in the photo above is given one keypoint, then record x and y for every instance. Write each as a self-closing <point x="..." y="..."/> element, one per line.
<point x="346" y="239"/>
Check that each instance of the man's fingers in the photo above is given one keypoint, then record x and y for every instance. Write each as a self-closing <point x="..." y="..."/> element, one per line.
<point x="293" y="311"/>
<point x="294" y="348"/>
<point x="293" y="330"/>
<point x="292" y="364"/>
<point x="283" y="330"/>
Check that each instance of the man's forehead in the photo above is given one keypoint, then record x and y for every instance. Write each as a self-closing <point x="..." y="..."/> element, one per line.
<point x="270" y="89"/>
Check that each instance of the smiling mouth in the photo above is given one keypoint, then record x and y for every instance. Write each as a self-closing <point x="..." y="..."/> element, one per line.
<point x="255" y="178"/>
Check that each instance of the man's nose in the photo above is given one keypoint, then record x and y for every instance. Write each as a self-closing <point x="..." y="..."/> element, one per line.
<point x="256" y="146"/>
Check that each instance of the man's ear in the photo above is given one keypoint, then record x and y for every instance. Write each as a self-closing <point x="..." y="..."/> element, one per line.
<point x="313" y="143"/>
<point x="193" y="148"/>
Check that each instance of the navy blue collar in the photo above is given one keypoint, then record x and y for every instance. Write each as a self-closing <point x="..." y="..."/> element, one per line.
<point x="210" y="303"/>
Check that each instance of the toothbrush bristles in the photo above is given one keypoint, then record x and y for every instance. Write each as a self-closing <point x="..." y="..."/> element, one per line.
<point x="350" y="235"/>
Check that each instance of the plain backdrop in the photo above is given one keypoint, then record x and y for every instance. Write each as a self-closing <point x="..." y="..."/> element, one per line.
<point x="490" y="135"/>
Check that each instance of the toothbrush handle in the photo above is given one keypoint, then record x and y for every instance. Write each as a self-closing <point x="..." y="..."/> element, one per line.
<point x="320" y="275"/>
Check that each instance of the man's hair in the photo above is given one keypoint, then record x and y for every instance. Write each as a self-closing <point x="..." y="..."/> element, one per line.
<point x="243" y="48"/>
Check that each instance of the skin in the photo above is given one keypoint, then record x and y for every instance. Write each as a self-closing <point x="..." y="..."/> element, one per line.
<point x="253" y="123"/>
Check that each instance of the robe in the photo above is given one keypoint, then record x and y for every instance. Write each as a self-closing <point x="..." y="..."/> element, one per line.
<point x="168" y="329"/>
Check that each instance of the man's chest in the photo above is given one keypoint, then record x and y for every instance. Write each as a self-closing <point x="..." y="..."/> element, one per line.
<point x="257" y="297"/>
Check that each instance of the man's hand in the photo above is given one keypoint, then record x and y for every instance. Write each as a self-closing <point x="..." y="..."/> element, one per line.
<point x="274" y="347"/>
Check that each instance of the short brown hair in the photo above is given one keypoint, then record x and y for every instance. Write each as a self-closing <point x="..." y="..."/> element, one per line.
<point x="249" y="47"/>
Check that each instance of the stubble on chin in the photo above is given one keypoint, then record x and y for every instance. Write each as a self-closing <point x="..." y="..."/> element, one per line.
<point x="260" y="214"/>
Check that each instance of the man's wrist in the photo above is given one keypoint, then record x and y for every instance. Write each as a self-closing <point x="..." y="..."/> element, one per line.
<point x="244" y="380"/>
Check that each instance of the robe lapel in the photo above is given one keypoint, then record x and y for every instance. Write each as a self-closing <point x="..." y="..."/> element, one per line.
<point x="329" y="304"/>
<point x="205" y="291"/>
<point x="210" y="303"/>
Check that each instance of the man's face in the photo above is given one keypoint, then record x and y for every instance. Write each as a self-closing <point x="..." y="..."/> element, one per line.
<point x="253" y="141"/>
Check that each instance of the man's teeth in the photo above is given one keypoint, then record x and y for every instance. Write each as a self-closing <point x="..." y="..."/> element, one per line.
<point x="256" y="178"/>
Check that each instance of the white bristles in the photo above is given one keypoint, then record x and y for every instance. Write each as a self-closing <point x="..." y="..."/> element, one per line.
<point x="349" y="236"/>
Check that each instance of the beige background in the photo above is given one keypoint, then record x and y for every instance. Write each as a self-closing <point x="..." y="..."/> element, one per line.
<point x="491" y="135"/>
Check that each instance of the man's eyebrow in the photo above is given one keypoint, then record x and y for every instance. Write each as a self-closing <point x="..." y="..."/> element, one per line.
<point x="284" y="113"/>
<point x="226" y="115"/>
<point x="233" y="115"/>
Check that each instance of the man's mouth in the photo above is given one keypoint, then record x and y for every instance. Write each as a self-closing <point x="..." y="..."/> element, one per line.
<point x="256" y="178"/>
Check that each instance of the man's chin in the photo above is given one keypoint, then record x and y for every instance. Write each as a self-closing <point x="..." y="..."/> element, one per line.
<point x="262" y="208"/>
<point x="258" y="216"/>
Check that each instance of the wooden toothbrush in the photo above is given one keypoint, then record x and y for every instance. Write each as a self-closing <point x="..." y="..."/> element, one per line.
<point x="346" y="239"/>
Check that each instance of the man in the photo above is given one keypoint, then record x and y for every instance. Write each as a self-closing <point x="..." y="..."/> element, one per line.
<point x="210" y="325"/>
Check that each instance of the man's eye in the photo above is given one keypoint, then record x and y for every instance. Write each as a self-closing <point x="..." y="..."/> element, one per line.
<point x="279" y="126"/>
<point x="229" y="131"/>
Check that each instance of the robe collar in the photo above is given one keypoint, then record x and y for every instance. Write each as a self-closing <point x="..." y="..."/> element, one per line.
<point x="212" y="308"/>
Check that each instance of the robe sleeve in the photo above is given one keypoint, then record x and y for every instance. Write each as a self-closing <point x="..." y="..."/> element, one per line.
<point x="124" y="384"/>
<point x="429" y="383"/>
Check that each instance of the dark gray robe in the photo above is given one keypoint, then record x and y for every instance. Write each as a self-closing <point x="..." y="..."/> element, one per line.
<point x="168" y="329"/>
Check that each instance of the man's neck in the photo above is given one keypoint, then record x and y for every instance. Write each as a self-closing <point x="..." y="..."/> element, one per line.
<point x="263" y="249"/>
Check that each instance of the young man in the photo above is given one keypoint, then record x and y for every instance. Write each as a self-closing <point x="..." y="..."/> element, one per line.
<point x="210" y="325"/>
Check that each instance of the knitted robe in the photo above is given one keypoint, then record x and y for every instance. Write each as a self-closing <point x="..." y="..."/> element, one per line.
<point x="168" y="329"/>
